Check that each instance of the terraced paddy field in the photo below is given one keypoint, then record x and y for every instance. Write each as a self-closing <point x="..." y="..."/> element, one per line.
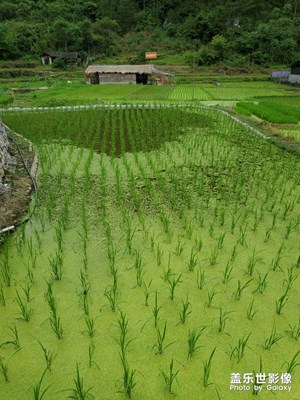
<point x="74" y="92"/>
<point x="162" y="261"/>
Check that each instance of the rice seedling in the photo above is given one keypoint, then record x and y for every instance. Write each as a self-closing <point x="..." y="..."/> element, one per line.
<point x="160" y="344"/>
<point x="38" y="393"/>
<point x="253" y="260"/>
<point x="234" y="220"/>
<point x="146" y="290"/>
<point x="294" y="330"/>
<point x="123" y="323"/>
<point x="222" y="217"/>
<point x="25" y="311"/>
<point x="139" y="275"/>
<point x="2" y="297"/>
<point x="211" y="229"/>
<point x="165" y="219"/>
<point x="291" y="277"/>
<point x="85" y="286"/>
<point x="198" y="242"/>
<point x="50" y="298"/>
<point x="250" y="311"/>
<point x="207" y="369"/>
<point x="123" y="342"/>
<point x="30" y="248"/>
<point x="90" y="324"/>
<point x="91" y="352"/>
<point x="56" y="325"/>
<point x="173" y="283"/>
<point x="288" y="206"/>
<point x="185" y="310"/>
<point x="234" y="252"/>
<point x="6" y="271"/>
<point x="15" y="338"/>
<point x="201" y="279"/>
<point x="111" y="253"/>
<point x="29" y="270"/>
<point x="240" y="288"/>
<point x="179" y="247"/>
<point x="274" y="219"/>
<point x="210" y="296"/>
<point x="19" y="244"/>
<point x="128" y="378"/>
<point x="189" y="229"/>
<point x="26" y="289"/>
<point x="256" y="221"/>
<point x="32" y="254"/>
<point x="159" y="254"/>
<point x="221" y="240"/>
<point x="56" y="263"/>
<point x="268" y="234"/>
<point x="170" y="377"/>
<point x="168" y="272"/>
<point x="193" y="338"/>
<point x="129" y="238"/>
<point x="193" y="261"/>
<point x="262" y="283"/>
<point x="4" y="366"/>
<point x="281" y="302"/>
<point x="79" y="392"/>
<point x="257" y="383"/>
<point x="243" y="232"/>
<point x="4" y="369"/>
<point x="272" y="339"/>
<point x="297" y="263"/>
<point x="213" y="256"/>
<point x="289" y="229"/>
<point x="155" y="311"/>
<point x="200" y="219"/>
<point x="223" y="318"/>
<point x="239" y="350"/>
<point x="48" y="355"/>
<point x="293" y="364"/>
<point x="227" y="273"/>
<point x="275" y="263"/>
<point x="111" y="294"/>
<point x="59" y="236"/>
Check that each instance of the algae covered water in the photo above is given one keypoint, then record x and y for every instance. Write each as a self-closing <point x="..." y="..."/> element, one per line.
<point x="162" y="261"/>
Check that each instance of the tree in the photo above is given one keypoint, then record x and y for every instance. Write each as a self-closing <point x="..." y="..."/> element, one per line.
<point x="220" y="46"/>
<point x="66" y="35"/>
<point x="7" y="11"/>
<point x="8" y="48"/>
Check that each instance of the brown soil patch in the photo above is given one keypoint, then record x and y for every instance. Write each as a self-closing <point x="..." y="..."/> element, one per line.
<point x="16" y="194"/>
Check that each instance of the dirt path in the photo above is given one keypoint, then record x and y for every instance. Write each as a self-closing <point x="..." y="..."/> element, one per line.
<point x="16" y="192"/>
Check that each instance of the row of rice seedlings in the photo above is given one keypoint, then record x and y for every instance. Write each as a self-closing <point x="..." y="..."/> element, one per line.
<point x="128" y="379"/>
<point x="55" y="320"/>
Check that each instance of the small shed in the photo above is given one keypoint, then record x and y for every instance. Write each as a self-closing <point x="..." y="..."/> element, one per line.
<point x="295" y="72"/>
<point x="72" y="58"/>
<point x="119" y="74"/>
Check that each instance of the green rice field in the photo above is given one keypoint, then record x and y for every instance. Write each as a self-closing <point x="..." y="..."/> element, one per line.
<point x="73" y="92"/>
<point x="162" y="260"/>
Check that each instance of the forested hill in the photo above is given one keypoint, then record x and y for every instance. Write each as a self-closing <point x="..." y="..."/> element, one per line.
<point x="233" y="31"/>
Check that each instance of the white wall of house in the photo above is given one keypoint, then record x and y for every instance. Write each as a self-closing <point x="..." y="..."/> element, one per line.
<point x="117" y="78"/>
<point x="294" y="78"/>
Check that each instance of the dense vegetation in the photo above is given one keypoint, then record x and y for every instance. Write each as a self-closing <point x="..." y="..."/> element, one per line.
<point x="231" y="31"/>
